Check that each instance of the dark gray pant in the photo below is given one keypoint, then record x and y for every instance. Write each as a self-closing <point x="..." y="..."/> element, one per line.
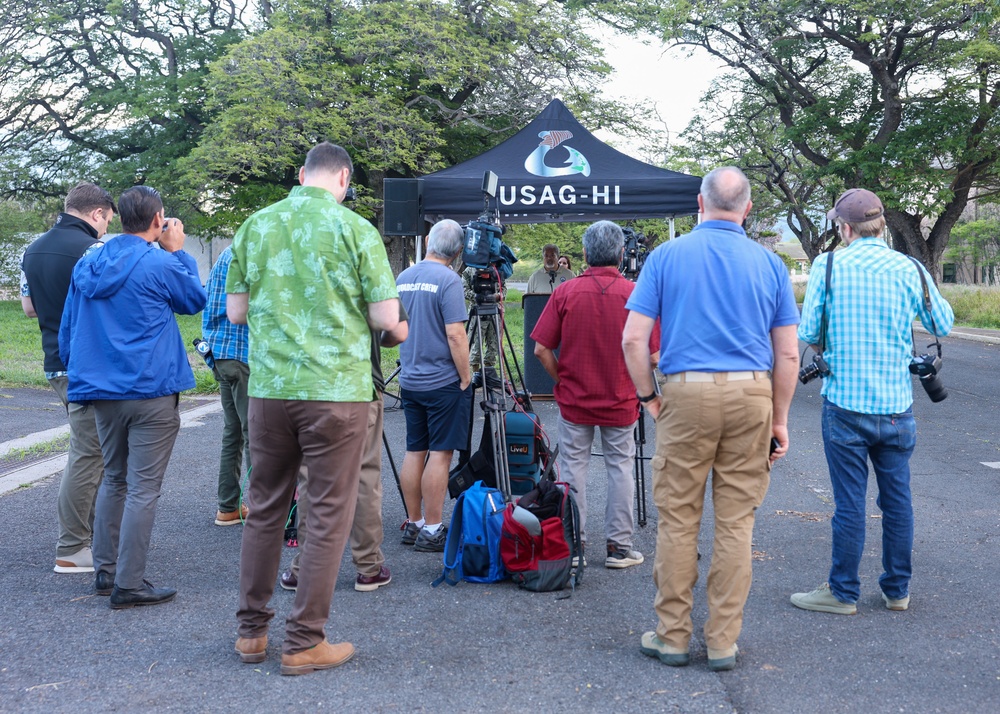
<point x="137" y="437"/>
<point x="233" y="377"/>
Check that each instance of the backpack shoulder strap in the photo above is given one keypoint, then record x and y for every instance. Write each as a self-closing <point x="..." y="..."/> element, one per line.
<point x="451" y="573"/>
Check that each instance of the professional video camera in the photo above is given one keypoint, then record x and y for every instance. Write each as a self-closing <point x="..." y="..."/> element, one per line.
<point x="484" y="250"/>
<point x="927" y="367"/>
<point x="634" y="257"/>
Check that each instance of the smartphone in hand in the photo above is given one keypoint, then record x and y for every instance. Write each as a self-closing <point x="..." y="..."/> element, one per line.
<point x="775" y="444"/>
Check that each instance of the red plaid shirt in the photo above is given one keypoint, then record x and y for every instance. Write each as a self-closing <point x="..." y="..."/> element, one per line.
<point x="584" y="319"/>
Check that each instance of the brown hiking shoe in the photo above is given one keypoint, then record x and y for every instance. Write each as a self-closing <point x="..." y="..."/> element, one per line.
<point x="322" y="656"/>
<point x="252" y="649"/>
<point x="232" y="518"/>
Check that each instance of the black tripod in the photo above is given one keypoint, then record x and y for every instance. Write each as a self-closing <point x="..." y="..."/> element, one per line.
<point x="385" y="439"/>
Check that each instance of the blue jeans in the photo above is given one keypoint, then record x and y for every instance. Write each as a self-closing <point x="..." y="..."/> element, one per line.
<point x="850" y="439"/>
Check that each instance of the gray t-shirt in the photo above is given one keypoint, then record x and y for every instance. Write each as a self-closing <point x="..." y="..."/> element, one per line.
<point x="432" y="295"/>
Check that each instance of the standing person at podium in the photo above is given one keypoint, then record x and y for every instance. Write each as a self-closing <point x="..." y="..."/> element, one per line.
<point x="550" y="276"/>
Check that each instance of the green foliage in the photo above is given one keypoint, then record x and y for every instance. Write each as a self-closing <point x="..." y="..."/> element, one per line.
<point x="20" y="348"/>
<point x="20" y="222"/>
<point x="974" y="306"/>
<point x="901" y="98"/>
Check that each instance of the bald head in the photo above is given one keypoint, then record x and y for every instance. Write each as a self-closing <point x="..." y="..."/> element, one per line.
<point x="725" y="195"/>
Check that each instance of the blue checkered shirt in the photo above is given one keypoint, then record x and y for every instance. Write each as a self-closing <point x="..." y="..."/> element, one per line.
<point x="228" y="341"/>
<point x="875" y="295"/>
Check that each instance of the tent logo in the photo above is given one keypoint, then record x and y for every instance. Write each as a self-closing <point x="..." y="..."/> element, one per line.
<point x="535" y="163"/>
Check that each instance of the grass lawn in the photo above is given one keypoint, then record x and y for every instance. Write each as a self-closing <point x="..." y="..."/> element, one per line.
<point x="21" y="346"/>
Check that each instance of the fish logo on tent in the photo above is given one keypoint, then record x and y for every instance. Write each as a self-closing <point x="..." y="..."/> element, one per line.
<point x="535" y="163"/>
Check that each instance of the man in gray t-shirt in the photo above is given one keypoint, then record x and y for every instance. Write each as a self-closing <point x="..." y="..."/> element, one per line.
<point x="434" y="384"/>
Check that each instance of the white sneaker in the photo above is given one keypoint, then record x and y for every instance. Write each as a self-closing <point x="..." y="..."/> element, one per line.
<point x="622" y="558"/>
<point x="82" y="561"/>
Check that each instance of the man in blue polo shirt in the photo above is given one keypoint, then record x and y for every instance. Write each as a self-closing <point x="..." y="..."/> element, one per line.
<point x="875" y="294"/>
<point x="729" y="353"/>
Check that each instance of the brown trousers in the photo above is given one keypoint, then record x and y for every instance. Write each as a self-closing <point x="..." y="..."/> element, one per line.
<point x="722" y="427"/>
<point x="366" y="531"/>
<point x="328" y="438"/>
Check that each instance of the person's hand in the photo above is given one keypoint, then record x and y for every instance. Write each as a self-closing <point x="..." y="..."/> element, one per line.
<point x="780" y="432"/>
<point x="653" y="407"/>
<point x="172" y="236"/>
<point x="464" y="382"/>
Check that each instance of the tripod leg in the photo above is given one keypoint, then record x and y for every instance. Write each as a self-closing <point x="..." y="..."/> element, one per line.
<point x="640" y="470"/>
<point x="392" y="465"/>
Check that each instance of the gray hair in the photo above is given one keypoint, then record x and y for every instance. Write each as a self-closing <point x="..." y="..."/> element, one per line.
<point x="726" y="189"/>
<point x="445" y="239"/>
<point x="603" y="242"/>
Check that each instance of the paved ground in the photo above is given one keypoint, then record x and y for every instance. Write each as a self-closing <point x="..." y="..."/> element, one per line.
<point x="495" y="648"/>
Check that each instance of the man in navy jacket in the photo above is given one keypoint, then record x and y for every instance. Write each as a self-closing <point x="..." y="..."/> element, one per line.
<point x="124" y="354"/>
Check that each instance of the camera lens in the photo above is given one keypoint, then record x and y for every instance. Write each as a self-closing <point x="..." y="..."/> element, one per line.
<point x="934" y="388"/>
<point x="808" y="373"/>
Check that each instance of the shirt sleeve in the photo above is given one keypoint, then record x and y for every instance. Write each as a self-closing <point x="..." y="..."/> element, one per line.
<point x="236" y="278"/>
<point x="812" y="306"/>
<point x="548" y="329"/>
<point x="787" y="312"/>
<point x="453" y="301"/>
<point x="645" y="298"/>
<point x="185" y="295"/>
<point x="377" y="282"/>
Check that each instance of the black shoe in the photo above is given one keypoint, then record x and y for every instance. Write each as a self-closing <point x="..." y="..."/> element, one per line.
<point x="493" y="379"/>
<point x="477" y="379"/>
<point x="146" y="595"/>
<point x="104" y="583"/>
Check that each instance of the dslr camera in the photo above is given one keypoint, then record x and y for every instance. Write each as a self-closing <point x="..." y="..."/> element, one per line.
<point x="818" y="368"/>
<point x="926" y="367"/>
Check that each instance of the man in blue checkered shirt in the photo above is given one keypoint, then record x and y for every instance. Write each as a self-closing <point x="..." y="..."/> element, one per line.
<point x="875" y="293"/>
<point x="229" y="347"/>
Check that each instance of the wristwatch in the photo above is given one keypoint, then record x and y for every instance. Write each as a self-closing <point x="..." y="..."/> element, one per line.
<point x="645" y="400"/>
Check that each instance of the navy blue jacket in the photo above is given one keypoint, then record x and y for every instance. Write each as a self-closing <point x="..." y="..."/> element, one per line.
<point x="118" y="337"/>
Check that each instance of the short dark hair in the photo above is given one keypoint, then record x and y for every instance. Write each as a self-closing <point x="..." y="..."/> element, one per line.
<point x="329" y="158"/>
<point x="85" y="197"/>
<point x="137" y="206"/>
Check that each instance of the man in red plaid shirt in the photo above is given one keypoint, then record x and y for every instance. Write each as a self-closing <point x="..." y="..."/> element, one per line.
<point x="584" y="319"/>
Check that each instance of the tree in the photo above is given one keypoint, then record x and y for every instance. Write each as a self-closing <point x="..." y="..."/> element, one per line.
<point x="898" y="97"/>
<point x="407" y="86"/>
<point x="975" y="249"/>
<point x="106" y="90"/>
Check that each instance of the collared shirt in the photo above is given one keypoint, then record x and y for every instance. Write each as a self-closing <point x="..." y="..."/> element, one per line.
<point x="543" y="282"/>
<point x="228" y="341"/>
<point x="875" y="294"/>
<point x="718" y="296"/>
<point x="311" y="267"/>
<point x="584" y="319"/>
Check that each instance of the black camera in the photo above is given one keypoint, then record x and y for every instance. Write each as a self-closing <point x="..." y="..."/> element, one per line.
<point x="636" y="249"/>
<point x="819" y="368"/>
<point x="927" y="367"/>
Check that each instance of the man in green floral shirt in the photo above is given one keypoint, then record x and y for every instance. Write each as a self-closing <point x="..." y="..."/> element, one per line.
<point x="309" y="277"/>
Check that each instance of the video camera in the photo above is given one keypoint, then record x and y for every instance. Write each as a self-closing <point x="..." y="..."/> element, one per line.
<point x="484" y="250"/>
<point x="634" y="257"/>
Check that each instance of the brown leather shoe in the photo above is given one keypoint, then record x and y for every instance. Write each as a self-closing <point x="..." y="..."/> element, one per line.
<point x="232" y="518"/>
<point x="252" y="649"/>
<point x="322" y="656"/>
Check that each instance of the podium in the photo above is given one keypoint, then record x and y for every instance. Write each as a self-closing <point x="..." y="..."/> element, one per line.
<point x="536" y="380"/>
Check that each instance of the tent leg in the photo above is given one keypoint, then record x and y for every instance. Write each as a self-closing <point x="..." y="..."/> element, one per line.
<point x="673" y="231"/>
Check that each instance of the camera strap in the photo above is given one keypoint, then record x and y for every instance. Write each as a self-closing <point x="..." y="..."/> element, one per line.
<point x="824" y="319"/>
<point x="927" y="306"/>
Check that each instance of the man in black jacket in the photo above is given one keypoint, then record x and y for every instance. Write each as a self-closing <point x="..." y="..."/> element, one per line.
<point x="46" y="268"/>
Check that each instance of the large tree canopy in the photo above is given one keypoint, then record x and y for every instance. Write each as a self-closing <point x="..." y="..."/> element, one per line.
<point x="104" y="89"/>
<point x="899" y="97"/>
<point x="407" y="86"/>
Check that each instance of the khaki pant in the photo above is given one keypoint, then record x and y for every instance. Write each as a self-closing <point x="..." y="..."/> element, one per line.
<point x="722" y="427"/>
<point x="366" y="530"/>
<point x="82" y="477"/>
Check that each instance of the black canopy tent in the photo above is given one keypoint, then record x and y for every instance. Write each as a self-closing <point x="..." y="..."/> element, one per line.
<point x="554" y="170"/>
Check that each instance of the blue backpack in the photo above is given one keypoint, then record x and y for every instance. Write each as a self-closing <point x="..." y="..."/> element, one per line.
<point x="472" y="551"/>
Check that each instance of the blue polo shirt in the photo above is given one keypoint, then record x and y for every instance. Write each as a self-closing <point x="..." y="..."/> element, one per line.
<point x="718" y="295"/>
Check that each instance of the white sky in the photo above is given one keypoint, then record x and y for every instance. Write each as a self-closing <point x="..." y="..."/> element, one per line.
<point x="651" y="75"/>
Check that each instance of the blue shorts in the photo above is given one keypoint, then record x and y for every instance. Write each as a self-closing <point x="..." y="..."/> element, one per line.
<point x="437" y="420"/>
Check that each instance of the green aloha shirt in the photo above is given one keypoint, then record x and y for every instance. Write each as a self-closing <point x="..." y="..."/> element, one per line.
<point x="311" y="267"/>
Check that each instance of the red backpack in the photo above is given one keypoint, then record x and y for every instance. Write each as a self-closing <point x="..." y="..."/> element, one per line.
<point x="541" y="536"/>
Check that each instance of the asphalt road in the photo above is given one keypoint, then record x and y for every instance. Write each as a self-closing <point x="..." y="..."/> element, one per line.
<point x="495" y="648"/>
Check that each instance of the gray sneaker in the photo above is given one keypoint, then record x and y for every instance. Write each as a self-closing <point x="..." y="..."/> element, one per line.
<point x="895" y="604"/>
<point x="427" y="543"/>
<point x="410" y="531"/>
<point x="822" y="599"/>
<point x="619" y="557"/>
